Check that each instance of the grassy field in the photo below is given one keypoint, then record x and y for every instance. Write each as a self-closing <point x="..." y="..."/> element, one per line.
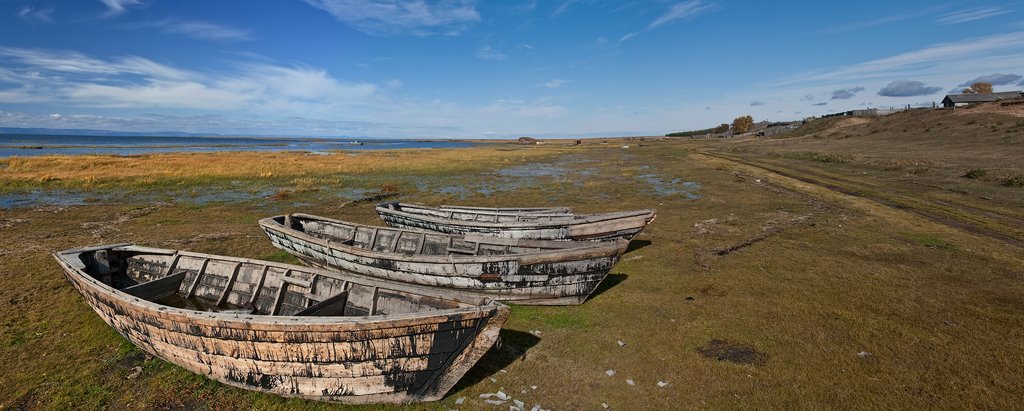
<point x="851" y="265"/>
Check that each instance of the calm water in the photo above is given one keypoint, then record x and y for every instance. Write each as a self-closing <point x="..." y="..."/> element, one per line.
<point x="22" y="145"/>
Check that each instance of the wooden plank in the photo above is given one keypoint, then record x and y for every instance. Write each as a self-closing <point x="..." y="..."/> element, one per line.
<point x="394" y="243"/>
<point x="295" y="281"/>
<point x="156" y="289"/>
<point x="258" y="286"/>
<point x="231" y="283"/>
<point x="274" y="309"/>
<point x="373" y="237"/>
<point x="423" y="241"/>
<point x="199" y="276"/>
<point x="174" y="264"/>
<point x="373" y="300"/>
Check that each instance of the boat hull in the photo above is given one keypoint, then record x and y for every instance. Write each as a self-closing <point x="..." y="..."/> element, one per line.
<point x="565" y="277"/>
<point x="356" y="360"/>
<point x="534" y="225"/>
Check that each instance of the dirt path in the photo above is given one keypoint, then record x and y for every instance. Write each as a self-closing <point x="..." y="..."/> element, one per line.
<point x="945" y="214"/>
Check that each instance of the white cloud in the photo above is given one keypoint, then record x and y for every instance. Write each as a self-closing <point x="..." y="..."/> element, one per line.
<point x="553" y="84"/>
<point x="964" y="16"/>
<point x="627" y="36"/>
<point x="489" y="53"/>
<point x="394" y="17"/>
<point x="29" y="13"/>
<point x="115" y="7"/>
<point x="74" y="62"/>
<point x="74" y="79"/>
<point x="201" y="30"/>
<point x="679" y="11"/>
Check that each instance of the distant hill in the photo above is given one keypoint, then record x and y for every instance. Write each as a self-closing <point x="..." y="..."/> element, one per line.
<point x="88" y="132"/>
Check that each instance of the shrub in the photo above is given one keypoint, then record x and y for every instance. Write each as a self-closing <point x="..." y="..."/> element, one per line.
<point x="1015" y="181"/>
<point x="975" y="173"/>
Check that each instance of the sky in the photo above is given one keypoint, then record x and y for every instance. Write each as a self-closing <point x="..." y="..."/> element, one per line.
<point x="486" y="69"/>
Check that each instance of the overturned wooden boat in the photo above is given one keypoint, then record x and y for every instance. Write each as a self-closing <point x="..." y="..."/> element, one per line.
<point x="516" y="270"/>
<point x="517" y="224"/>
<point x="283" y="329"/>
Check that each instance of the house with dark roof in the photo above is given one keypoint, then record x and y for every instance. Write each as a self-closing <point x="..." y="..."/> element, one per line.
<point x="960" y="100"/>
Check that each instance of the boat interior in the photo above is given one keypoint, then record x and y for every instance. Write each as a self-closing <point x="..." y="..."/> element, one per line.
<point x="211" y="283"/>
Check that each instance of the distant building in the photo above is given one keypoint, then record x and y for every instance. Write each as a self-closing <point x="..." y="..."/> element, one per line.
<point x="960" y="100"/>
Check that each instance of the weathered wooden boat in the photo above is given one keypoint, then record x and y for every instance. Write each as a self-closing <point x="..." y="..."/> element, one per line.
<point x="521" y="271"/>
<point x="284" y="329"/>
<point x="512" y="224"/>
<point x="502" y="210"/>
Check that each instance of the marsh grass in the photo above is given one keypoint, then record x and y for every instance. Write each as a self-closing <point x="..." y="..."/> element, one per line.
<point x="306" y="172"/>
<point x="934" y="305"/>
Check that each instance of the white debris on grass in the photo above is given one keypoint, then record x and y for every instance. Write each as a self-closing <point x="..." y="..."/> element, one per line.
<point x="630" y="382"/>
<point x="494" y="402"/>
<point x="662" y="384"/>
<point x="519" y="404"/>
<point x="460" y="400"/>
<point x="605" y="406"/>
<point x="535" y="333"/>
<point x="621" y="344"/>
<point x="533" y="387"/>
<point x="863" y="354"/>
<point x="610" y="372"/>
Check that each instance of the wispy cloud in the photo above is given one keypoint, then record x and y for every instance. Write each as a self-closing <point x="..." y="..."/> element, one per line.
<point x="524" y="109"/>
<point x="73" y="78"/>
<point x="756" y="103"/>
<point x="679" y="11"/>
<point x="918" y="61"/>
<point x="553" y="84"/>
<point x="201" y="30"/>
<point x="116" y="7"/>
<point x="883" y="20"/>
<point x="964" y="16"/>
<point x="675" y="12"/>
<point x="396" y="17"/>
<point x="44" y="15"/>
<point x="489" y="53"/>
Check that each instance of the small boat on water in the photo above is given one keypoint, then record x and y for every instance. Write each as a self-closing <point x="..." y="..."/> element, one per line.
<point x="521" y="271"/>
<point x="510" y="223"/>
<point x="284" y="329"/>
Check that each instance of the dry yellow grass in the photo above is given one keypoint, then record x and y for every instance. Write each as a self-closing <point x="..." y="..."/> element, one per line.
<point x="147" y="169"/>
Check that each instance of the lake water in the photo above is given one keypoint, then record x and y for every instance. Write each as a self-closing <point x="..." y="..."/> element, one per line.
<point x="37" y="145"/>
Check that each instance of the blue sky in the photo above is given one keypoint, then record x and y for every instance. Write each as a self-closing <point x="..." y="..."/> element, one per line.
<point x="476" y="69"/>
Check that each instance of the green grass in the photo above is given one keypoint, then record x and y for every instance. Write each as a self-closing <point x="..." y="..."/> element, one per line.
<point x="927" y="240"/>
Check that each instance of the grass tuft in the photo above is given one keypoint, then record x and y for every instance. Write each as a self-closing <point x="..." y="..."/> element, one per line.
<point x="975" y="173"/>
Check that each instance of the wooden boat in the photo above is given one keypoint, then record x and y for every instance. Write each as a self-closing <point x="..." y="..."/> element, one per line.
<point x="503" y="210"/>
<point x="520" y="271"/>
<point x="283" y="329"/>
<point x="512" y="224"/>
